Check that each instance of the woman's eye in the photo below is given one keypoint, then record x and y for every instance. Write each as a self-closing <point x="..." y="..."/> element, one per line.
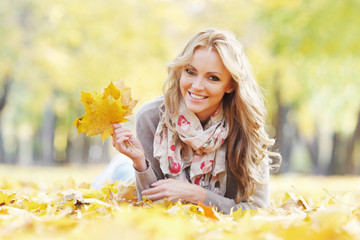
<point x="190" y="71"/>
<point x="214" y="78"/>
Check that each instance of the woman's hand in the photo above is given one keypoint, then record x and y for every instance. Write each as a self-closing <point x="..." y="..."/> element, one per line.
<point x="126" y="143"/>
<point x="175" y="190"/>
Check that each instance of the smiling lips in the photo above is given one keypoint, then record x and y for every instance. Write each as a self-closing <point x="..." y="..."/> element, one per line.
<point x="197" y="97"/>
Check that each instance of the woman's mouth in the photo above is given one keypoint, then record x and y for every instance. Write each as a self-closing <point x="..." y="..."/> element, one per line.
<point x="197" y="97"/>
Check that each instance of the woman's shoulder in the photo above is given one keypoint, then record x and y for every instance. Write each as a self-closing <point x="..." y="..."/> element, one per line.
<point x="150" y="109"/>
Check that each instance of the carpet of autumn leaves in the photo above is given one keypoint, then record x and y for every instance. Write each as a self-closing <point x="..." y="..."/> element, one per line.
<point x="57" y="203"/>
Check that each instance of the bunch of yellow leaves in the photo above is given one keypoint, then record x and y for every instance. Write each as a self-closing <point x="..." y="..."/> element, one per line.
<point x="53" y="205"/>
<point x="113" y="105"/>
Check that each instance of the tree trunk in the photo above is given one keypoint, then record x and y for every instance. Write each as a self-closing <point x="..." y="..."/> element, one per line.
<point x="2" y="151"/>
<point x="86" y="150"/>
<point x="105" y="152"/>
<point x="25" y="151"/>
<point x="313" y="149"/>
<point x="68" y="148"/>
<point x="349" y="161"/>
<point x="47" y="136"/>
<point x="5" y="93"/>
<point x="285" y="134"/>
<point x="334" y="155"/>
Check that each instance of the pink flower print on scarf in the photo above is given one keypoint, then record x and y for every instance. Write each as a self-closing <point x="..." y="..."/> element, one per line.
<point x="183" y="124"/>
<point x="197" y="181"/>
<point x="193" y="147"/>
<point x="174" y="167"/>
<point x="206" y="166"/>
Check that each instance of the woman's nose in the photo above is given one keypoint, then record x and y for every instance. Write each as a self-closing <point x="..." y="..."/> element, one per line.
<point x="198" y="83"/>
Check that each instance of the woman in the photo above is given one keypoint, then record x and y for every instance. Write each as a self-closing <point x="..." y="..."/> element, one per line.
<point x="204" y="140"/>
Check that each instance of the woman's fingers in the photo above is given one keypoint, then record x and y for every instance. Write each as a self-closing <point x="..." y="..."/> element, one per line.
<point x="175" y="190"/>
<point x="160" y="182"/>
<point x="121" y="131"/>
<point x="151" y="191"/>
<point x="155" y="196"/>
<point x="121" y="134"/>
<point x="161" y="189"/>
<point x="125" y="142"/>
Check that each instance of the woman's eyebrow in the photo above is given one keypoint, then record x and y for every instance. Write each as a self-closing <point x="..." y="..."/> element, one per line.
<point x="189" y="65"/>
<point x="215" y="73"/>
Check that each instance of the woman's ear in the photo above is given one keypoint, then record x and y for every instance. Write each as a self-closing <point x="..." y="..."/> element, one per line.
<point x="231" y="88"/>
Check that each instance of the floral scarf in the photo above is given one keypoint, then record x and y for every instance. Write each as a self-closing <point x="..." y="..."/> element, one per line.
<point x="198" y="155"/>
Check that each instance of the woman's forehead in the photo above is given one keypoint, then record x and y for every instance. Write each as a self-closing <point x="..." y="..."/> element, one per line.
<point x="207" y="58"/>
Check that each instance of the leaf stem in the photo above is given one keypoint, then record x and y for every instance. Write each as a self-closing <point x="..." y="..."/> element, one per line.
<point x="133" y="147"/>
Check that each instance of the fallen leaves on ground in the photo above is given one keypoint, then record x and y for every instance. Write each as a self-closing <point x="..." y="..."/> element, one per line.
<point x="74" y="211"/>
<point x="113" y="105"/>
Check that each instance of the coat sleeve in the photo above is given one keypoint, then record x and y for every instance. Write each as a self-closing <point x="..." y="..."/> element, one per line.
<point x="259" y="199"/>
<point x="146" y="123"/>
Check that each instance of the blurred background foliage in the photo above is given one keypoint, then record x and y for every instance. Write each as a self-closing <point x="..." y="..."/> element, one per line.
<point x="305" y="55"/>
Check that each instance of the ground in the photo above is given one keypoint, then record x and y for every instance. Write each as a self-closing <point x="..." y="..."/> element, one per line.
<point x="57" y="203"/>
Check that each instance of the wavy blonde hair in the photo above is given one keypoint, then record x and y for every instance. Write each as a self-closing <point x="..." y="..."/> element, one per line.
<point x="248" y="143"/>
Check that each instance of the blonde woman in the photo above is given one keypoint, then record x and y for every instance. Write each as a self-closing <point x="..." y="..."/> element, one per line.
<point x="204" y="140"/>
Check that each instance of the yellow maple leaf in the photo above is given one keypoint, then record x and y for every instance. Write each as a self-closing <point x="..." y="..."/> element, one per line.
<point x="104" y="109"/>
<point x="6" y="198"/>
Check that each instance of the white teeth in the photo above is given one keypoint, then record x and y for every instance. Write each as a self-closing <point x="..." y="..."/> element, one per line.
<point x="196" y="96"/>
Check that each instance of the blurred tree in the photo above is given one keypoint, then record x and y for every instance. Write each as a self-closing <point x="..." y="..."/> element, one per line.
<point x="71" y="46"/>
<point x="319" y="42"/>
<point x="3" y="97"/>
<point x="305" y="54"/>
<point x="349" y="159"/>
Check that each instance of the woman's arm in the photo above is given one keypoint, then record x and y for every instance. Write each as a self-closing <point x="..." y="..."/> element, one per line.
<point x="147" y="120"/>
<point x="260" y="198"/>
<point x="151" y="182"/>
<point x="125" y="142"/>
<point x="175" y="190"/>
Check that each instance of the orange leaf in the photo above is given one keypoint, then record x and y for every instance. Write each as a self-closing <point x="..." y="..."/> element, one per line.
<point x="208" y="211"/>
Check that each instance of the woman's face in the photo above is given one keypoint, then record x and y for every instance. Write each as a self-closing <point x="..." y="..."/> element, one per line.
<point x="203" y="83"/>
